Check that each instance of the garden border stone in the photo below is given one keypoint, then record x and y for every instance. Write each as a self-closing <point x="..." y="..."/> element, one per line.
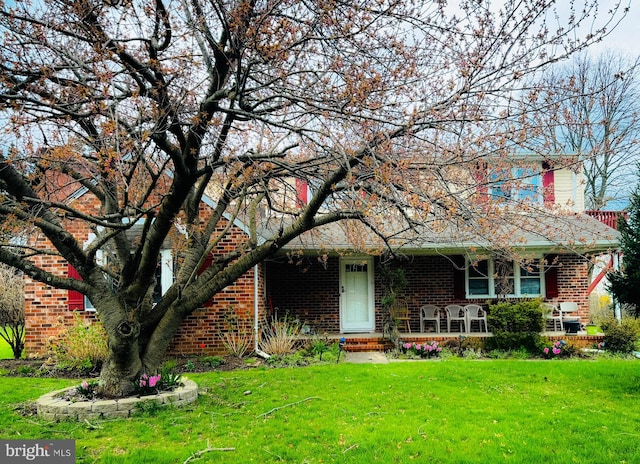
<point x="53" y="407"/>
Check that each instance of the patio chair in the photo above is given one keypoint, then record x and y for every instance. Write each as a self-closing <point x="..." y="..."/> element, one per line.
<point x="476" y="313"/>
<point x="456" y="313"/>
<point x="570" y="322"/>
<point x="429" y="313"/>
<point x="400" y="313"/>
<point x="553" y="314"/>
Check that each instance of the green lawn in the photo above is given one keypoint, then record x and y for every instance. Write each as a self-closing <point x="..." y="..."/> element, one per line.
<point x="5" y="350"/>
<point x="449" y="411"/>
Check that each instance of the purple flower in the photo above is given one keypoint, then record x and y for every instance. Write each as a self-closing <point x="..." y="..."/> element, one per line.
<point x="556" y="351"/>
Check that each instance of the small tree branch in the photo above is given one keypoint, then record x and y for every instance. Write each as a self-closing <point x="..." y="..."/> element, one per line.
<point x="264" y="414"/>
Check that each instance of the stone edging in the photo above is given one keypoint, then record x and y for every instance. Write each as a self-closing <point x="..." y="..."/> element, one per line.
<point x="53" y="408"/>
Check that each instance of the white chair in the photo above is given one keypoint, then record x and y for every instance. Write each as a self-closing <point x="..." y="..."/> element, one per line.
<point x="429" y="313"/>
<point x="566" y="310"/>
<point x="568" y="307"/>
<point x="456" y="313"/>
<point x="553" y="314"/>
<point x="475" y="312"/>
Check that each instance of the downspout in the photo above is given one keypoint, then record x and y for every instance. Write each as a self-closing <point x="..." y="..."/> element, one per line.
<point x="256" y="349"/>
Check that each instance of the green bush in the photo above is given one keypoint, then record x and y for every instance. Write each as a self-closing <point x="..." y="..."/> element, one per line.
<point x="81" y="346"/>
<point x="515" y="326"/>
<point x="620" y="337"/>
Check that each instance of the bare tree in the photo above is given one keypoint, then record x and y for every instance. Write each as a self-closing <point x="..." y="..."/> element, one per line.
<point x="597" y="116"/>
<point x="12" y="309"/>
<point x="147" y="105"/>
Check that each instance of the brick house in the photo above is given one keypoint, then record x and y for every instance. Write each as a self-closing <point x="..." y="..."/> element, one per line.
<point x="334" y="289"/>
<point x="49" y="310"/>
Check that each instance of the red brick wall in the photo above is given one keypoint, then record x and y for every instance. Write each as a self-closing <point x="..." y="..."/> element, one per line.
<point x="573" y="281"/>
<point x="231" y="311"/>
<point x="47" y="314"/>
<point x="310" y="291"/>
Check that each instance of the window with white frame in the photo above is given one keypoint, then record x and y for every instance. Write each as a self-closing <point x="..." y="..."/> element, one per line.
<point x="517" y="184"/>
<point x="164" y="274"/>
<point x="494" y="277"/>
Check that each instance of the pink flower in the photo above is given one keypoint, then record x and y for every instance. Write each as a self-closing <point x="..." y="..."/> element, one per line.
<point x="546" y="350"/>
<point x="153" y="380"/>
<point x="407" y="346"/>
<point x="556" y="351"/>
<point x="85" y="385"/>
<point x="418" y="347"/>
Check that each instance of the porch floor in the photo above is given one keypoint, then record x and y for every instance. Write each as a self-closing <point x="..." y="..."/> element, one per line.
<point x="377" y="341"/>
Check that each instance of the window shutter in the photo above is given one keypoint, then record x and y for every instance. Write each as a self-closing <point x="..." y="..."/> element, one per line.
<point x="548" y="188"/>
<point x="480" y="177"/>
<point x="207" y="262"/>
<point x="551" y="277"/>
<point x="459" y="292"/>
<point x="75" y="300"/>
<point x="302" y="192"/>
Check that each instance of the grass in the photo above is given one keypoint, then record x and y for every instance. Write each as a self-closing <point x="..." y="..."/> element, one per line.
<point x="5" y="350"/>
<point x="462" y="411"/>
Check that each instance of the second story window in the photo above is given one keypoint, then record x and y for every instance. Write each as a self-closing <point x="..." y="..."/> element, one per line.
<point x="517" y="184"/>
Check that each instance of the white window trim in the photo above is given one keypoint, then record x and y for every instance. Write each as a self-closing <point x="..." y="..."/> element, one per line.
<point x="526" y="180"/>
<point x="516" y="278"/>
<point x="166" y="272"/>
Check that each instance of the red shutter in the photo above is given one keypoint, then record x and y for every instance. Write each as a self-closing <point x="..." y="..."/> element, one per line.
<point x="302" y="192"/>
<point x="551" y="277"/>
<point x="75" y="300"/>
<point x="480" y="177"/>
<point x="548" y="188"/>
<point x="207" y="262"/>
<point x="459" y="290"/>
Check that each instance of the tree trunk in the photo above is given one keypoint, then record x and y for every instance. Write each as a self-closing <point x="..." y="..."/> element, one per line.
<point x="124" y="364"/>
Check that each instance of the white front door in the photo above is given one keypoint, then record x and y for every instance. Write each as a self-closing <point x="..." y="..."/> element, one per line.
<point x="356" y="295"/>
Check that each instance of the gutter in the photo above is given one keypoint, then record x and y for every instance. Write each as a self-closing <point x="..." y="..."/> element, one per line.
<point x="256" y="349"/>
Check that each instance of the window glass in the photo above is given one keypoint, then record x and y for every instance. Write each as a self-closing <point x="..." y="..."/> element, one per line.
<point x="502" y="277"/>
<point x="530" y="279"/>
<point x="479" y="278"/>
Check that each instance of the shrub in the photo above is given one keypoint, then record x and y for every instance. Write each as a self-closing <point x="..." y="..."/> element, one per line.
<point x="12" y="309"/>
<point x="620" y="337"/>
<point x="515" y="325"/>
<point x="280" y="336"/>
<point x="236" y="343"/>
<point x="81" y="346"/>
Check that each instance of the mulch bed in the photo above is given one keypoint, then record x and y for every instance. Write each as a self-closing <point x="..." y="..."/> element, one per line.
<point x="184" y="365"/>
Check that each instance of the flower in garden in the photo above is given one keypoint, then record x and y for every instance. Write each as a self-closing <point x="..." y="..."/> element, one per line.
<point x="556" y="350"/>
<point x="85" y="385"/>
<point x="153" y="380"/>
<point x="546" y="350"/>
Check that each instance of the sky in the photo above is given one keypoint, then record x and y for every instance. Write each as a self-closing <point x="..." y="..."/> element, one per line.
<point x="626" y="36"/>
